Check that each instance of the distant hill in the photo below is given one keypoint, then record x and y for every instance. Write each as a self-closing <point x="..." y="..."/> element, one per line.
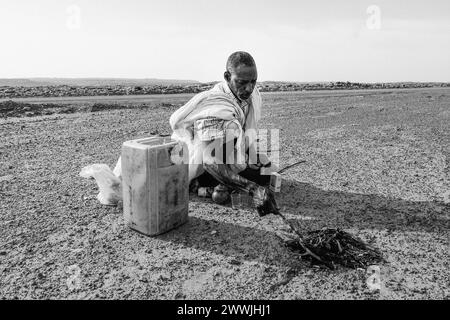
<point x="88" y="82"/>
<point x="66" y="87"/>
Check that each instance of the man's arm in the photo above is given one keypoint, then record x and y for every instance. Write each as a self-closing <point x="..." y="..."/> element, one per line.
<point x="213" y="164"/>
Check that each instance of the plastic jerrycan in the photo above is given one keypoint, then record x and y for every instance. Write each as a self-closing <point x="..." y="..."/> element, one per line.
<point x="155" y="189"/>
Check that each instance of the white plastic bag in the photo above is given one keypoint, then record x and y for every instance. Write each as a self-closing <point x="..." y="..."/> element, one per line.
<point x="110" y="185"/>
<point x="118" y="169"/>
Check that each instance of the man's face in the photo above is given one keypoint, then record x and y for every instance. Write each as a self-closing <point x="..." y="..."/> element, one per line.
<point x="242" y="81"/>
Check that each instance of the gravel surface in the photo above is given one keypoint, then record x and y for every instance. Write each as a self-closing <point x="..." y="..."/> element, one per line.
<point x="377" y="165"/>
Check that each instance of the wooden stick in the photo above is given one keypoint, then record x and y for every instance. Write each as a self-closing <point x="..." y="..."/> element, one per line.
<point x="290" y="166"/>
<point x="300" y="240"/>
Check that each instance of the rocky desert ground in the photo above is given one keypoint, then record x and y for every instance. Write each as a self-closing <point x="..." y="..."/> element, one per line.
<point x="377" y="165"/>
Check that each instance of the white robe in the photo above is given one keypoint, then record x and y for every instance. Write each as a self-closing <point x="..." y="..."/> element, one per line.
<point x="218" y="102"/>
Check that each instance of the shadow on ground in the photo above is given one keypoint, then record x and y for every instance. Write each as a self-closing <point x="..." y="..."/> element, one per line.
<point x="313" y="208"/>
<point x="340" y="209"/>
<point x="238" y="242"/>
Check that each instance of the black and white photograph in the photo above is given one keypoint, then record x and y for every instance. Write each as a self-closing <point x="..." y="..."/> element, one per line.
<point x="242" y="152"/>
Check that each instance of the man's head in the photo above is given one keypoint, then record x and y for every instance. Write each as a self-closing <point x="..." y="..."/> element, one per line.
<point x="241" y="74"/>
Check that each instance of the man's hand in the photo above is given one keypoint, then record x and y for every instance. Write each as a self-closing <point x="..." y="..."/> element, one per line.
<point x="264" y="201"/>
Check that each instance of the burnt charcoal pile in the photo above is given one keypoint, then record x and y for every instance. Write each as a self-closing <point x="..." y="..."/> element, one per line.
<point x="332" y="247"/>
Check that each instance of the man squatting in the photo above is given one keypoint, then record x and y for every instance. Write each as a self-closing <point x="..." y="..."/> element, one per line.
<point x="218" y="128"/>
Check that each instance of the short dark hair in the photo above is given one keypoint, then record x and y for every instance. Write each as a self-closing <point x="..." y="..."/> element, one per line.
<point x="239" y="58"/>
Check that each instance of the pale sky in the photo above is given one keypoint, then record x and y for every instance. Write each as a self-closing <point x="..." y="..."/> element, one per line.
<point x="351" y="40"/>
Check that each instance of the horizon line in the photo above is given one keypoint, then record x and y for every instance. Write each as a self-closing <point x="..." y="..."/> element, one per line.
<point x="192" y="80"/>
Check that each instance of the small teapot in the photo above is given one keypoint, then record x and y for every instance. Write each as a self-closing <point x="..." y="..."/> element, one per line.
<point x="221" y="194"/>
